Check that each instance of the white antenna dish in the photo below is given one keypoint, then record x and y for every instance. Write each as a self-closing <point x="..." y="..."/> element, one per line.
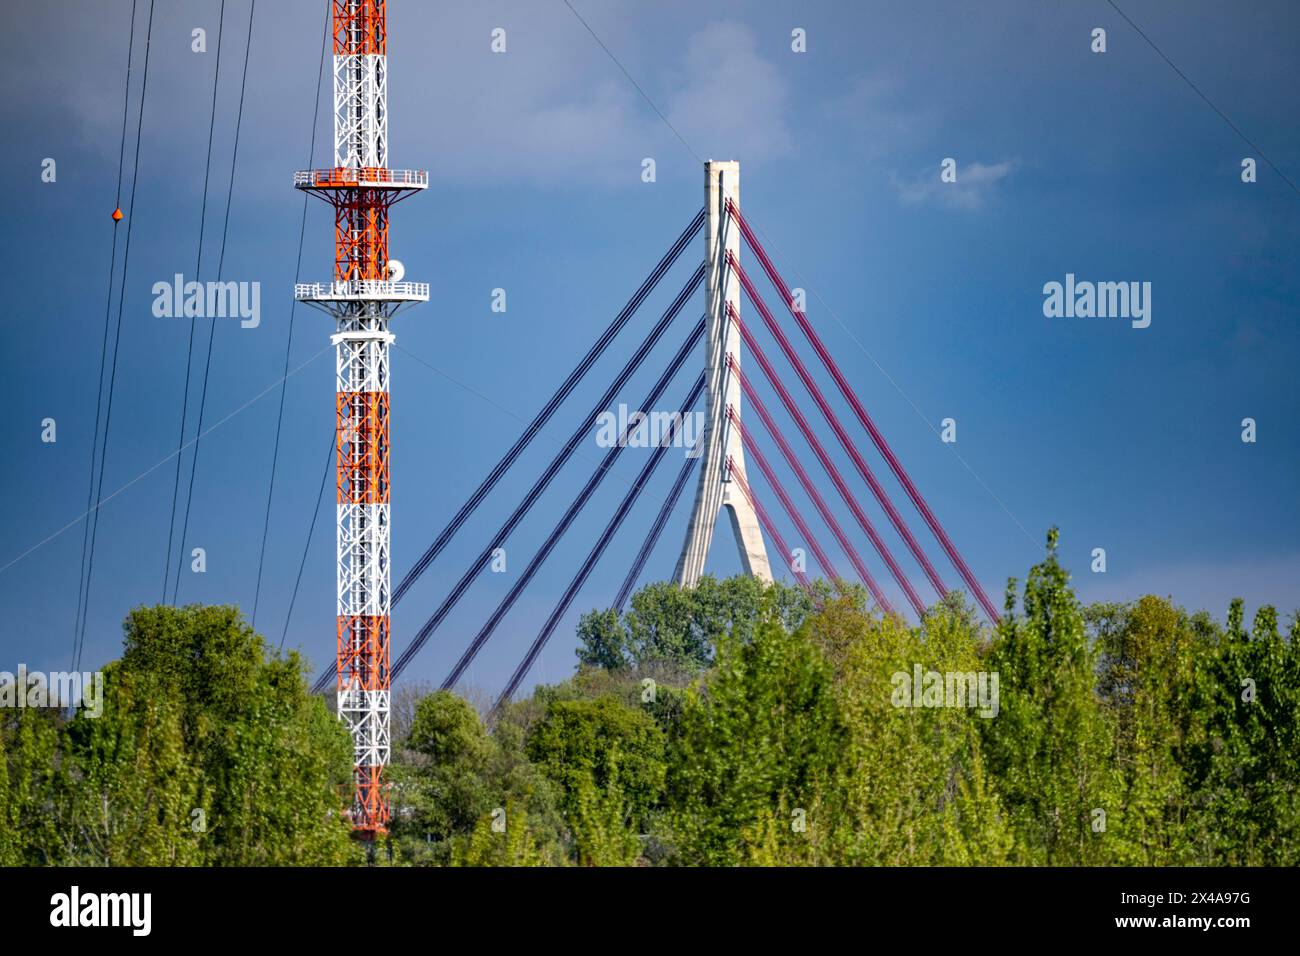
<point x="395" y="270"/>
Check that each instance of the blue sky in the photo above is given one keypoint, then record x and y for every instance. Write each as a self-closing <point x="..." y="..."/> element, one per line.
<point x="929" y="294"/>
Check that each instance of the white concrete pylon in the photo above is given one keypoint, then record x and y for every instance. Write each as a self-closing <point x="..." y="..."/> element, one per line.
<point x="715" y="490"/>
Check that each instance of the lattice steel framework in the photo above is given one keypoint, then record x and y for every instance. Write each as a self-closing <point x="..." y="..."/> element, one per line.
<point x="365" y="294"/>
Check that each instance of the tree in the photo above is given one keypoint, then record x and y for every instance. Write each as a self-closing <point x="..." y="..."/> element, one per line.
<point x="600" y="820"/>
<point x="442" y="788"/>
<point x="608" y="760"/>
<point x="669" y="623"/>
<point x="128" y="787"/>
<point x="1247" y="768"/>
<point x="31" y="739"/>
<point x="1151" y="654"/>
<point x="504" y="837"/>
<point x="600" y="739"/>
<point x="11" y="845"/>
<point x="602" y="640"/>
<point x="911" y="787"/>
<point x="759" y="737"/>
<point x="225" y="743"/>
<point x="1049" y="748"/>
<point x="451" y="774"/>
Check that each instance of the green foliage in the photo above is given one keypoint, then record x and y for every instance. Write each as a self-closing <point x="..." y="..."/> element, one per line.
<point x="608" y="760"/>
<point x="1049" y="749"/>
<point x="31" y="740"/>
<point x="762" y="736"/>
<point x="444" y="790"/>
<point x="1248" y="764"/>
<point x="680" y="625"/>
<point x="600" y="740"/>
<point x="911" y="786"/>
<point x="516" y="843"/>
<point x="731" y="724"/>
<point x="128" y="787"/>
<point x="1150" y="657"/>
<point x="451" y="774"/>
<point x="11" y="844"/>
<point x="272" y="762"/>
<point x="207" y="753"/>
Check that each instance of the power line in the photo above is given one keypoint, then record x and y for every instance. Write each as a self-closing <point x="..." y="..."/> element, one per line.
<point x="288" y="345"/>
<point x="156" y="465"/>
<point x="315" y="516"/>
<point x="117" y="338"/>
<point x="1197" y="90"/>
<point x="212" y="329"/>
<point x="189" y="351"/>
<point x="103" y="349"/>
<point x="644" y="96"/>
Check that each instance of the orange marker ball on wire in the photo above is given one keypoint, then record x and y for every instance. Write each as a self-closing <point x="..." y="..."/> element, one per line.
<point x="117" y="215"/>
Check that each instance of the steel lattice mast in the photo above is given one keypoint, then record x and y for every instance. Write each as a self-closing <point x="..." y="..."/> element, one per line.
<point x="365" y="293"/>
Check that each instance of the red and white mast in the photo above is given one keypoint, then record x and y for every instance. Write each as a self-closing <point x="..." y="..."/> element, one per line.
<point x="367" y="291"/>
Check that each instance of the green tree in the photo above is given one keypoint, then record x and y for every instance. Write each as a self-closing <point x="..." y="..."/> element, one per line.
<point x="911" y="787"/>
<point x="600" y="820"/>
<point x="273" y="765"/>
<point x="128" y="789"/>
<point x="441" y="785"/>
<point x="599" y="740"/>
<point x="1049" y="748"/>
<point x="451" y="773"/>
<point x="11" y="845"/>
<point x="31" y="739"/>
<point x="608" y="760"/>
<point x="759" y="737"/>
<point x="1151" y="654"/>
<point x="505" y="837"/>
<point x="681" y="625"/>
<point x="1248" y="769"/>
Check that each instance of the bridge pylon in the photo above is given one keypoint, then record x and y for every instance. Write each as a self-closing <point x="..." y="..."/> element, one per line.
<point x="723" y="451"/>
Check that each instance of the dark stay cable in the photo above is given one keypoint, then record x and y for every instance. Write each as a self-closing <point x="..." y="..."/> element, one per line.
<point x="556" y="463"/>
<point x="594" y="556"/>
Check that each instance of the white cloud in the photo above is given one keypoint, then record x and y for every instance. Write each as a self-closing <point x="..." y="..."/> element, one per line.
<point x="730" y="103"/>
<point x="975" y="183"/>
<point x="555" y="109"/>
<point x="871" y="119"/>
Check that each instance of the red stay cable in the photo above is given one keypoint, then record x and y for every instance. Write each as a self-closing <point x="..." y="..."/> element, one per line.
<point x="876" y="436"/>
<point x="822" y="558"/>
<point x="815" y="391"/>
<point x="828" y="465"/>
<point x="766" y="521"/>
<point x="827" y="516"/>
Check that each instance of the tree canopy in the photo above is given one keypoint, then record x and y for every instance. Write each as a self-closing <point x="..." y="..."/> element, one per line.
<point x="730" y="724"/>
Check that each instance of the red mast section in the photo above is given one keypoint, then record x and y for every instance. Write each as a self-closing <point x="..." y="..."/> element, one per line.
<point x="366" y="292"/>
